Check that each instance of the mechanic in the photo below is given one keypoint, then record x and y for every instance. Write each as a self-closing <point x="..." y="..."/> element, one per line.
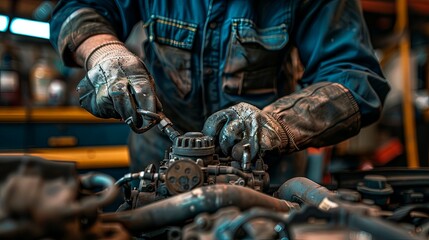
<point x="218" y="66"/>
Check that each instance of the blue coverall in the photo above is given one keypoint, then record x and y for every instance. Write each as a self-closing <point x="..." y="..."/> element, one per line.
<point x="206" y="55"/>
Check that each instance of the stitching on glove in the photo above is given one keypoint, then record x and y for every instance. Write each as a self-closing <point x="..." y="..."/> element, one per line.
<point x="103" y="73"/>
<point x="288" y="132"/>
<point x="121" y="67"/>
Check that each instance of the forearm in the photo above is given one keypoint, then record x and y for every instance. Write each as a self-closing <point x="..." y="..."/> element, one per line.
<point x="83" y="27"/>
<point x="334" y="46"/>
<point x="320" y="115"/>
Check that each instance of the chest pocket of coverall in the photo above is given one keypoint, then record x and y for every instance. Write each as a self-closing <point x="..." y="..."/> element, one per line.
<point x="254" y="57"/>
<point x="172" y="42"/>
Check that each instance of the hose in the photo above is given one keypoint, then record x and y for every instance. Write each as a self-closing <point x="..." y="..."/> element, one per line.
<point x="106" y="196"/>
<point x="179" y="208"/>
<point x="48" y="219"/>
<point x="303" y="190"/>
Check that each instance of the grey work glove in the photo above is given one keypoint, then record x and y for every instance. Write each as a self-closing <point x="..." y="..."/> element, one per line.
<point x="117" y="84"/>
<point x="244" y="124"/>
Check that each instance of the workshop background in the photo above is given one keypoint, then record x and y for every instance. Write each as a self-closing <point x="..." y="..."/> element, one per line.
<point x="39" y="112"/>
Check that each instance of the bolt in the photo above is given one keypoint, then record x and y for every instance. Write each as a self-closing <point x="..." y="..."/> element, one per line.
<point x="202" y="222"/>
<point x="195" y="179"/>
<point x="163" y="191"/>
<point x="172" y="179"/>
<point x="183" y="180"/>
<point x="278" y="228"/>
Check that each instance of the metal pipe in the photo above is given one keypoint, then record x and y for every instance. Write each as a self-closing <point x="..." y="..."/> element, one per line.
<point x="217" y="170"/>
<point x="208" y="199"/>
<point x="166" y="126"/>
<point x="134" y="176"/>
<point x="246" y="161"/>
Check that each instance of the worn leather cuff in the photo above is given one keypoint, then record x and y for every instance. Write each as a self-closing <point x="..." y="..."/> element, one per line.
<point x="289" y="144"/>
<point x="282" y="131"/>
<point x="79" y="26"/>
<point x="319" y="115"/>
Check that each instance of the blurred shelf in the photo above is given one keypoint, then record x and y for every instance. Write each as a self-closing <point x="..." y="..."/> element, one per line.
<point x="419" y="7"/>
<point x="50" y="114"/>
<point x="84" y="157"/>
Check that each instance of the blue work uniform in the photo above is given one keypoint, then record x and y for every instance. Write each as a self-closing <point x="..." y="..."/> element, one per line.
<point x="206" y="55"/>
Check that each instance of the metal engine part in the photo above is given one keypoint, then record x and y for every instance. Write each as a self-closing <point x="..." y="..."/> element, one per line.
<point x="190" y="163"/>
<point x="182" y="176"/>
<point x="195" y="146"/>
<point x="43" y="199"/>
<point x="197" y="195"/>
<point x="176" y="210"/>
<point x="231" y="223"/>
<point x="324" y="215"/>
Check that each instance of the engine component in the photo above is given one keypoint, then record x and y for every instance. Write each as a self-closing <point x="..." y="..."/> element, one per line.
<point x="231" y="223"/>
<point x="310" y="222"/>
<point x="46" y="200"/>
<point x="364" y="215"/>
<point x="375" y="188"/>
<point x="194" y="145"/>
<point x="192" y="162"/>
<point x="193" y="180"/>
<point x="303" y="190"/>
<point x="342" y="223"/>
<point x="181" y="176"/>
<point x="196" y="194"/>
<point x="177" y="209"/>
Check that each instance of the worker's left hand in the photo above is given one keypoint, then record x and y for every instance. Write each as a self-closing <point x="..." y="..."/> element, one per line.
<point x="242" y="124"/>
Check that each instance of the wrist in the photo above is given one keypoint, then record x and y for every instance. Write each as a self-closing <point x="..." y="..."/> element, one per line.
<point x="75" y="32"/>
<point x="285" y="135"/>
<point x="88" y="45"/>
<point x="104" y="51"/>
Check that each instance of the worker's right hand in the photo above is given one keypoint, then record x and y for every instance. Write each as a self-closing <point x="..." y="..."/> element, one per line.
<point x="245" y="124"/>
<point x="117" y="84"/>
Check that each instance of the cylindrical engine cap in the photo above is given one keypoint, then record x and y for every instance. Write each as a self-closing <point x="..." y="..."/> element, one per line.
<point x="193" y="144"/>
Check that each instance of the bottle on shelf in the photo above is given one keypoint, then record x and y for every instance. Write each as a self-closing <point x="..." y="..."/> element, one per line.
<point x="57" y="93"/>
<point x="10" y="84"/>
<point x="42" y="74"/>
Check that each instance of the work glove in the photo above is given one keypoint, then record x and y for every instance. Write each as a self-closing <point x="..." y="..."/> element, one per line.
<point x="243" y="124"/>
<point x="117" y="83"/>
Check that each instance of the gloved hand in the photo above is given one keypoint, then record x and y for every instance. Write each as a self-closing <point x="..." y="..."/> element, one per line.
<point x="116" y="84"/>
<point x="245" y="124"/>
